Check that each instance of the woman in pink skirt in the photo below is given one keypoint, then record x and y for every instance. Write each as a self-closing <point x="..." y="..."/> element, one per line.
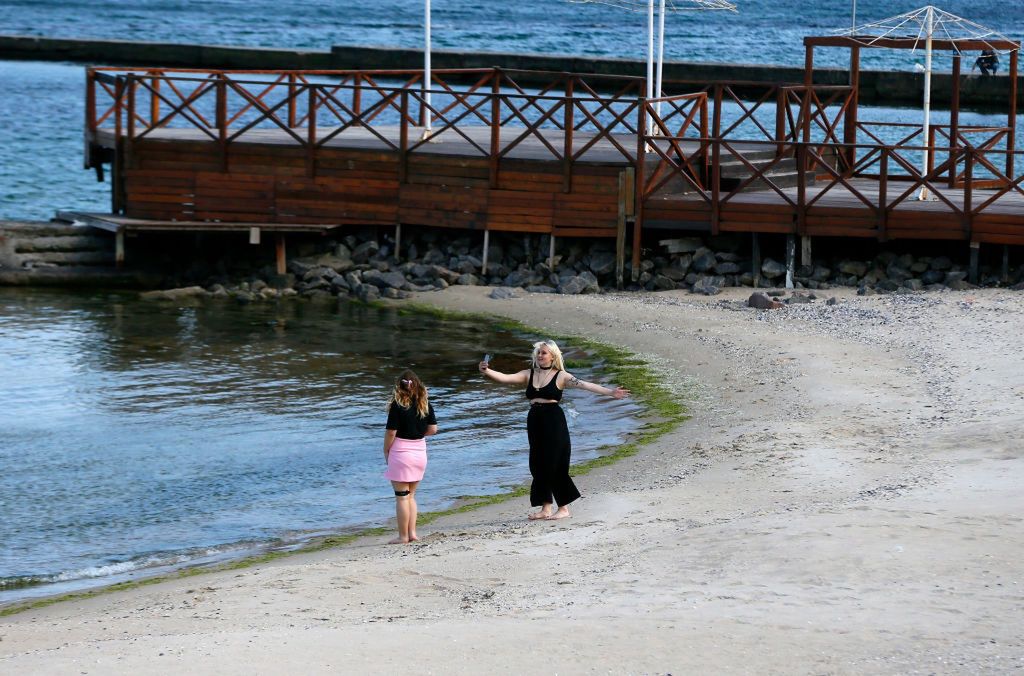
<point x="410" y="420"/>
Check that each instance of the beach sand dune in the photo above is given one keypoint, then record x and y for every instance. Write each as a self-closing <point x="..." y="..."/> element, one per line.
<point x="847" y="498"/>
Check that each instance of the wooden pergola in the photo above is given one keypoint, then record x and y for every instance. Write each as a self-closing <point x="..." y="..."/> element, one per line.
<point x="957" y="46"/>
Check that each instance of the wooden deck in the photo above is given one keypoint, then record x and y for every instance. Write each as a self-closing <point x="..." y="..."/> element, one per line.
<point x="219" y="150"/>
<point x="265" y="178"/>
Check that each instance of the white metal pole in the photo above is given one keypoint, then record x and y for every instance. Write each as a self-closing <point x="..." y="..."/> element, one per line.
<point x="650" y="59"/>
<point x="853" y="19"/>
<point x="661" y="56"/>
<point x="426" y="63"/>
<point x="926" y="127"/>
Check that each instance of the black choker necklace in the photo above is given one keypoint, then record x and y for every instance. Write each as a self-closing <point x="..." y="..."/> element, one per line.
<point x="544" y="368"/>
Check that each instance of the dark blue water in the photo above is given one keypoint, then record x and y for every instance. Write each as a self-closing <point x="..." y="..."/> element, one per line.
<point x="142" y="435"/>
<point x="764" y="31"/>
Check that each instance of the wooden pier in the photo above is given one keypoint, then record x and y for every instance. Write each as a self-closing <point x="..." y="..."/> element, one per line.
<point x="566" y="155"/>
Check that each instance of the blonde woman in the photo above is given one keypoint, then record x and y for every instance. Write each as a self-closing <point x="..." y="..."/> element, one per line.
<point x="550" y="446"/>
<point x="410" y="420"/>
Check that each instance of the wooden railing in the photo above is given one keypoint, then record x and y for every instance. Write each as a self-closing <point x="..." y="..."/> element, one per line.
<point x="879" y="197"/>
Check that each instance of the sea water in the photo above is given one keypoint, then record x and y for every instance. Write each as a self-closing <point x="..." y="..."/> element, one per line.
<point x="141" y="435"/>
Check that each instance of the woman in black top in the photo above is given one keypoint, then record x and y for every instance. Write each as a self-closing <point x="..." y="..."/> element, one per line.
<point x="550" y="447"/>
<point x="410" y="420"/>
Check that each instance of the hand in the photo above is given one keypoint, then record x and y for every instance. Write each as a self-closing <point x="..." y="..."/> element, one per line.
<point x="483" y="366"/>
<point x="620" y="392"/>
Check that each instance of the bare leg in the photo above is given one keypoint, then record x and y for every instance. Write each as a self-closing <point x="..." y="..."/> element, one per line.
<point x="413" y="511"/>
<point x="544" y="513"/>
<point x="562" y="513"/>
<point x="401" y="513"/>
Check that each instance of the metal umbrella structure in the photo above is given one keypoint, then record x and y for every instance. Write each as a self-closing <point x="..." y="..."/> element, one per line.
<point x="654" y="73"/>
<point x="928" y="27"/>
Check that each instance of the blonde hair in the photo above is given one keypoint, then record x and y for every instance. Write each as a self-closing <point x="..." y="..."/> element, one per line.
<point x="553" y="349"/>
<point x="410" y="392"/>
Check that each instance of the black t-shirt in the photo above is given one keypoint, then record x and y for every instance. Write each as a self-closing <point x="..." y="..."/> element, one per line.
<point x="407" y="422"/>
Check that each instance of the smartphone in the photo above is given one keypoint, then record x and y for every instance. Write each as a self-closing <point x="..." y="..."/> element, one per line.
<point x="487" y="358"/>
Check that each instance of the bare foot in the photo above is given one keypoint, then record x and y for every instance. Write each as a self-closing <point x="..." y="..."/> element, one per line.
<point x="398" y="541"/>
<point x="562" y="513"/>
<point x="542" y="514"/>
<point x="414" y="537"/>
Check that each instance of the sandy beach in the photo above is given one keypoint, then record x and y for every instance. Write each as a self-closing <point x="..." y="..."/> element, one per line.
<point x="846" y="499"/>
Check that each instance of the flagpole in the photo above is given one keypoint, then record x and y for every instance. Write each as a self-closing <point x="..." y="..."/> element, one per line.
<point x="661" y="56"/>
<point x="650" y="58"/>
<point x="926" y="129"/>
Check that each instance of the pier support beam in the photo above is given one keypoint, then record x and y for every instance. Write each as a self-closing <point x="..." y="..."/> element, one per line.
<point x="398" y="240"/>
<point x="279" y="254"/>
<point x="972" y="270"/>
<point x="551" y="254"/>
<point x="755" y="259"/>
<point x="119" y="248"/>
<point x="790" y="260"/>
<point x="487" y="245"/>
<point x="1006" y="264"/>
<point x="805" y="250"/>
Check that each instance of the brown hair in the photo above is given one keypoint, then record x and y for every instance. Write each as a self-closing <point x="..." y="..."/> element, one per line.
<point x="409" y="392"/>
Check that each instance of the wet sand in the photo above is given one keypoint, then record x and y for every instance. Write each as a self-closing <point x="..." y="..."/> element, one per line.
<point x="847" y="498"/>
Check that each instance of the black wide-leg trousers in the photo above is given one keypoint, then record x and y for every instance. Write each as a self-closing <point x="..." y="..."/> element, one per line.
<point x="550" y="449"/>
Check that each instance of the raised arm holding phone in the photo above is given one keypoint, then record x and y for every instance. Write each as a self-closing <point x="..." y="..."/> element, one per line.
<point x="550" y="445"/>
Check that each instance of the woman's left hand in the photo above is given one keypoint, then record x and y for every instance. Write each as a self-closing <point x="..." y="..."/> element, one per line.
<point x="620" y="392"/>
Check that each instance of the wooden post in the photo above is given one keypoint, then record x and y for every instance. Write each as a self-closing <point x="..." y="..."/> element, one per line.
<point x="883" y="195"/>
<point x="567" y="146"/>
<point x="154" y="100"/>
<point x="254" y="235"/>
<point x="403" y="138"/>
<point x="790" y="260"/>
<point x="620" y="231"/>
<point x="755" y="259"/>
<point x="805" y="250"/>
<point x="850" y="126"/>
<point x="119" y="248"/>
<point x="954" y="120"/>
<point x="487" y="243"/>
<point x="398" y="239"/>
<point x="805" y="105"/>
<point x="292" y="107"/>
<point x="222" y="121"/>
<point x="551" y="253"/>
<point x="279" y="254"/>
<point x="311" y="133"/>
<point x="495" y="129"/>
<point x="1011" y="119"/>
<point x="972" y="274"/>
<point x="1006" y="264"/>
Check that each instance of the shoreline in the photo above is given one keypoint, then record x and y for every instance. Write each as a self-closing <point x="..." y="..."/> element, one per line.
<point x="845" y="499"/>
<point x="603" y="357"/>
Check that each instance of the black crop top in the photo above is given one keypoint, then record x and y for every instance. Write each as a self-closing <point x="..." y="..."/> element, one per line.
<point x="549" y="391"/>
<point x="407" y="422"/>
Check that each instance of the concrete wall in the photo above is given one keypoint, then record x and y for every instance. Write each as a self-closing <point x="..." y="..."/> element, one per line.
<point x="877" y="87"/>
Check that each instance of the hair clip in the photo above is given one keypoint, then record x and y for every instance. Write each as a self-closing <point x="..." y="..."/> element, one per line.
<point x="406" y="382"/>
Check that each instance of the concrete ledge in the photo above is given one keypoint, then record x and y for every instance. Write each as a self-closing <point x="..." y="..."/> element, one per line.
<point x="877" y="87"/>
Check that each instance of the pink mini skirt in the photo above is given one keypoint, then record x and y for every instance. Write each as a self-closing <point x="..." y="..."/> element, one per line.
<point x="407" y="460"/>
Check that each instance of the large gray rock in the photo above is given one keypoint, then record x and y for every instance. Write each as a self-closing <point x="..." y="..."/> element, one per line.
<point x="703" y="261"/>
<point x="706" y="286"/>
<point x="368" y="293"/>
<point x="771" y="268"/>
<point x="365" y="251"/>
<point x="854" y="268"/>
<point x="761" y="301"/>
<point x="601" y="263"/>
<point x="174" y="294"/>
<point x="590" y="283"/>
<point x="673" y="273"/>
<point x="502" y="293"/>
<point x="572" y="286"/>
<point x="727" y="268"/>
<point x="941" y="263"/>
<point x="468" y="279"/>
<point x="384" y="280"/>
<point x="664" y="283"/>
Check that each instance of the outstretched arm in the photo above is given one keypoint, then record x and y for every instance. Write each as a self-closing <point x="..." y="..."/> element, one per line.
<point x="569" y="380"/>
<point x="506" y="378"/>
